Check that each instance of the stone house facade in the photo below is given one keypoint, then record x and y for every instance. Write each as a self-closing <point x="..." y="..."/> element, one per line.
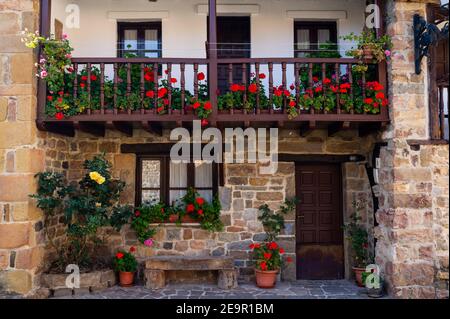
<point x="405" y="210"/>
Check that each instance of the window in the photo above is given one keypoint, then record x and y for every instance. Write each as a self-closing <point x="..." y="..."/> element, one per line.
<point x="309" y="37"/>
<point x="159" y="179"/>
<point x="142" y="39"/>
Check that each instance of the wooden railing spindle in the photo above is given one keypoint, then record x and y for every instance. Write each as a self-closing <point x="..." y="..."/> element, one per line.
<point x="258" y="87"/>
<point x="116" y="81"/>
<point x="337" y="73"/>
<point x="284" y="83"/>
<point x="75" y="81"/>
<point x="89" y="73"/>
<point x="297" y="83"/>
<point x="350" y="81"/>
<point x="196" y="81"/>
<point x="169" y="87"/>
<point x="183" y="86"/>
<point x="244" y="82"/>
<point x="270" y="66"/>
<point x="142" y="88"/>
<point x="310" y="82"/>
<point x="102" y="87"/>
<point x="363" y="87"/>
<point x="155" y="87"/>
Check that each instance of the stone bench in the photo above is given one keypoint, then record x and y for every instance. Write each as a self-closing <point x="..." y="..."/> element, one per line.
<point x="155" y="268"/>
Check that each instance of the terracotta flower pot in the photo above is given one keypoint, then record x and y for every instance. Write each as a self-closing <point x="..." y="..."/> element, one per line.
<point x="126" y="278"/>
<point x="266" y="279"/>
<point x="358" y="275"/>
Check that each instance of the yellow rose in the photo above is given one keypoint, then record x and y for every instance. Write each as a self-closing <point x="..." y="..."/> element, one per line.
<point x="95" y="176"/>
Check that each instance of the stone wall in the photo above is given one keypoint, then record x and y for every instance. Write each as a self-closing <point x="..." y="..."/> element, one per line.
<point x="21" y="245"/>
<point x="244" y="191"/>
<point x="412" y="246"/>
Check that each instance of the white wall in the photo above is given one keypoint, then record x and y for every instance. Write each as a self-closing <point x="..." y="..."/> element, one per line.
<point x="184" y="31"/>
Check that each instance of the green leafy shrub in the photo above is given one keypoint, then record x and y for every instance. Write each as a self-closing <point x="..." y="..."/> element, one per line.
<point x="86" y="207"/>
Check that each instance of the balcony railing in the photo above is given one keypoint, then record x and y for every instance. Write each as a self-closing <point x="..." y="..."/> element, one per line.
<point x="108" y="91"/>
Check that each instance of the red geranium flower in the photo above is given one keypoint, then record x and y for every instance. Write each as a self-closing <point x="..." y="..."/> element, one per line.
<point x="132" y="249"/>
<point x="380" y="95"/>
<point x="200" y="212"/>
<point x="292" y="87"/>
<point x="93" y="77"/>
<point x="315" y="79"/>
<point x="204" y="122"/>
<point x="368" y="100"/>
<point x="82" y="85"/>
<point x="150" y="94"/>
<point x="385" y="102"/>
<point x="190" y="208"/>
<point x="263" y="266"/>
<point x="146" y="69"/>
<point x="173" y="218"/>
<point x="59" y="116"/>
<point x="242" y="88"/>
<point x="267" y="256"/>
<point x="343" y="91"/>
<point x="252" y="246"/>
<point x="148" y="77"/>
<point x="173" y="80"/>
<point x="253" y="88"/>
<point x="207" y="106"/>
<point x="235" y="87"/>
<point x="200" y="201"/>
<point x="292" y="103"/>
<point x="282" y="251"/>
<point x="119" y="255"/>
<point x="345" y="86"/>
<point x="318" y="89"/>
<point x="137" y="213"/>
<point x="60" y="100"/>
<point x="162" y="92"/>
<point x="278" y="92"/>
<point x="196" y="105"/>
<point x="273" y="245"/>
<point x="201" y="76"/>
<point x="166" y="71"/>
<point x="49" y="98"/>
<point x="262" y="76"/>
<point x="287" y="93"/>
<point x="84" y="78"/>
<point x="326" y="81"/>
<point x="160" y="109"/>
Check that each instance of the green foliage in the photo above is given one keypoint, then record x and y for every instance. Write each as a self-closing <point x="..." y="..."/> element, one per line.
<point x="358" y="236"/>
<point x="147" y="217"/>
<point x="268" y="256"/>
<point x="273" y="222"/>
<point x="125" y="262"/>
<point x="87" y="207"/>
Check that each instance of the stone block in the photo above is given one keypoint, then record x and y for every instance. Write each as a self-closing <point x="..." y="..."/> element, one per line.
<point x="14" y="134"/>
<point x="227" y="279"/>
<point x="9" y="23"/>
<point x="62" y="292"/>
<point x="17" y="281"/>
<point x="30" y="258"/>
<point x="14" y="235"/>
<point x="29" y="160"/>
<point x="269" y="196"/>
<point x="155" y="279"/>
<point x="16" y="188"/>
<point x="22" y="68"/>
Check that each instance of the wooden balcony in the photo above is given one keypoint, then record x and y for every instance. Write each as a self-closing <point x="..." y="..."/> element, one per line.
<point x="116" y="94"/>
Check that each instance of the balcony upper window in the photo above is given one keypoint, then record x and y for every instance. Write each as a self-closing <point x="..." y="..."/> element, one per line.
<point x="139" y="39"/>
<point x="314" y="38"/>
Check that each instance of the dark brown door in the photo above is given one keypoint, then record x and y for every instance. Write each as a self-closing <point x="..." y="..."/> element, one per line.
<point x="233" y="41"/>
<point x="320" y="251"/>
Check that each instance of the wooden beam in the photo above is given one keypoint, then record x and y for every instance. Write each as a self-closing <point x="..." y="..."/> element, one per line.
<point x="336" y="127"/>
<point x="65" y="128"/>
<point x="152" y="128"/>
<point x="213" y="62"/>
<point x="307" y="128"/>
<point x="123" y="127"/>
<point x="94" y="128"/>
<point x="365" y="129"/>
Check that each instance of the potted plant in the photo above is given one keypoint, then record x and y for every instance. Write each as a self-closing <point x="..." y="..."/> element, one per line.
<point x="358" y="237"/>
<point x="369" y="46"/>
<point x="267" y="256"/>
<point x="126" y="264"/>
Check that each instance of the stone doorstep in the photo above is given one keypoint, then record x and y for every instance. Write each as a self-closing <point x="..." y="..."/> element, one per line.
<point x="189" y="263"/>
<point x="89" y="282"/>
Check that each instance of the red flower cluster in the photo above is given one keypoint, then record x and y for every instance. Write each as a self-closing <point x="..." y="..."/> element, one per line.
<point x="119" y="255"/>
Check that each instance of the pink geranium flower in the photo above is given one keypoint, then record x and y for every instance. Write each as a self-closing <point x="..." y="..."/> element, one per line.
<point x="148" y="242"/>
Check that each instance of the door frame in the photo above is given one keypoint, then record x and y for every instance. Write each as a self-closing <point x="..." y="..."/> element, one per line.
<point x="331" y="162"/>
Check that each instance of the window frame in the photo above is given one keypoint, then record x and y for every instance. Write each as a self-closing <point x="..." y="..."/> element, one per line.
<point x="313" y="27"/>
<point x="140" y="27"/>
<point x="165" y="178"/>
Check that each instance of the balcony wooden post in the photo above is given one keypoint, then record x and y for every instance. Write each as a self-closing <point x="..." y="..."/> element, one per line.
<point x="213" y="63"/>
<point x="44" y="17"/>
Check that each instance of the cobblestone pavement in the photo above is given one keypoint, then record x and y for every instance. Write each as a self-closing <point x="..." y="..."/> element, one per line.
<point x="334" y="289"/>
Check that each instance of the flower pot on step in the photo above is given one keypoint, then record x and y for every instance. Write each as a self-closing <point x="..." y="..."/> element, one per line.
<point x="358" y="275"/>
<point x="126" y="279"/>
<point x="266" y="279"/>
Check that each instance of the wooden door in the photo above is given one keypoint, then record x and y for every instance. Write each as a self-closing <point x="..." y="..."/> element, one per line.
<point x="233" y="41"/>
<point x="320" y="250"/>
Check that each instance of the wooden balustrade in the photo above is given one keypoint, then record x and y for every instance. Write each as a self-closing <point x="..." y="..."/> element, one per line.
<point x="113" y="90"/>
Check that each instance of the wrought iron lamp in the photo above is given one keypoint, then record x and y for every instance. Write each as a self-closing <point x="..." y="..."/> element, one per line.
<point x="427" y="34"/>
